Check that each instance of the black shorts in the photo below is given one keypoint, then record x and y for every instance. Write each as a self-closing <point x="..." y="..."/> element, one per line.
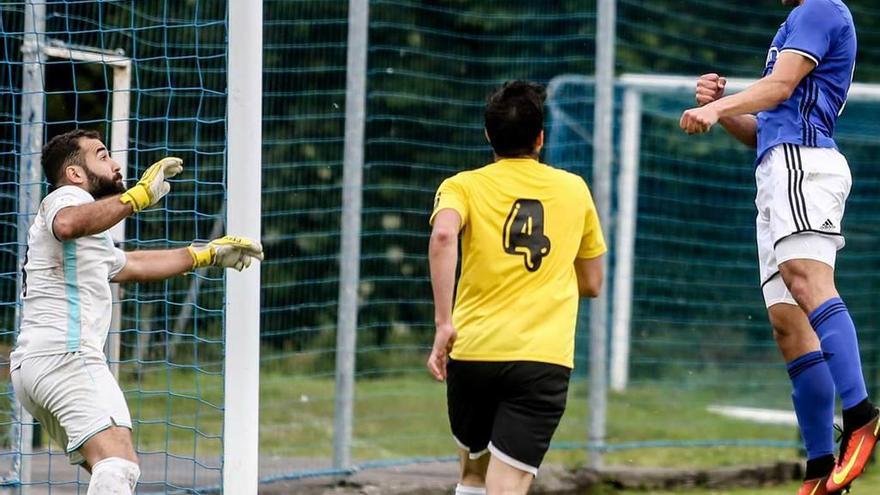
<point x="508" y="408"/>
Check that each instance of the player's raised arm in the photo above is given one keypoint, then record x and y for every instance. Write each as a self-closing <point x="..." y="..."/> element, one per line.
<point x="86" y="219"/>
<point x="743" y="128"/>
<point x="790" y="69"/>
<point x="90" y="218"/>
<point x="226" y="252"/>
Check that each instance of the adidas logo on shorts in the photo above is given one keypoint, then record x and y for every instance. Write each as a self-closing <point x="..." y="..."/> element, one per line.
<point x="828" y="225"/>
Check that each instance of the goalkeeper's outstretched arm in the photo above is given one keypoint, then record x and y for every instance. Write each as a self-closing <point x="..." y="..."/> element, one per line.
<point x="93" y="218"/>
<point x="87" y="219"/>
<point x="152" y="265"/>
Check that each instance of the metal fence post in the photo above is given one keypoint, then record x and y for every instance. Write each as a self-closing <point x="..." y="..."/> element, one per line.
<point x="350" y="249"/>
<point x="30" y="180"/>
<point x="603" y="151"/>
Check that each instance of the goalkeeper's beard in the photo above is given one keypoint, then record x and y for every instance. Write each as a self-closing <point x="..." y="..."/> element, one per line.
<point x="101" y="187"/>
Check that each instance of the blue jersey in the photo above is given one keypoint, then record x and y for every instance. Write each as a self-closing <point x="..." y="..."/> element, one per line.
<point x="823" y="31"/>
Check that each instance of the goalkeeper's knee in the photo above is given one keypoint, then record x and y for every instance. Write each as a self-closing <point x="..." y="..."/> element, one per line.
<point x="114" y="476"/>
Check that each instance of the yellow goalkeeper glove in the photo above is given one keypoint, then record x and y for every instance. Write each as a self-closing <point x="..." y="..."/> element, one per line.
<point x="226" y="252"/>
<point x="152" y="186"/>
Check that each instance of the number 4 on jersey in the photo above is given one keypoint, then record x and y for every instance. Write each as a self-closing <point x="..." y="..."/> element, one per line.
<point x="524" y="233"/>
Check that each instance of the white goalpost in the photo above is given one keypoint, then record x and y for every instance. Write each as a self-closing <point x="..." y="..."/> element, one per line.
<point x="243" y="217"/>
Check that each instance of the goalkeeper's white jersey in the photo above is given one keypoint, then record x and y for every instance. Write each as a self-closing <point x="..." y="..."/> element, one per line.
<point x="66" y="300"/>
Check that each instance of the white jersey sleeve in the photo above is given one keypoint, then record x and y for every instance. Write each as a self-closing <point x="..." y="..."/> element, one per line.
<point x="117" y="264"/>
<point x="61" y="198"/>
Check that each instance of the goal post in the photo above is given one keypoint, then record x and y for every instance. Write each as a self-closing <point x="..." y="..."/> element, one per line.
<point x="243" y="217"/>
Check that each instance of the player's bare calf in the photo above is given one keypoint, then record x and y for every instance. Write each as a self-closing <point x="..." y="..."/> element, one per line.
<point x="504" y="479"/>
<point x="111" y="459"/>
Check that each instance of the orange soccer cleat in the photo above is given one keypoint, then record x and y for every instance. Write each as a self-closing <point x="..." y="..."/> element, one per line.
<point x="855" y="451"/>
<point x="815" y="487"/>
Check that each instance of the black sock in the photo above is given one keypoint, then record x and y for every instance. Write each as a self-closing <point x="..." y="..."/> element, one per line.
<point x="858" y="415"/>
<point x="819" y="467"/>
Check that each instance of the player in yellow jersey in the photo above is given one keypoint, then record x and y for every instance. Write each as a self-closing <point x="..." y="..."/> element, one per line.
<point x="531" y="245"/>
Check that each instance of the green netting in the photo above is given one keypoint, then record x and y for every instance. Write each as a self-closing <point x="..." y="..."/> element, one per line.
<point x="303" y="114"/>
<point x="699" y="327"/>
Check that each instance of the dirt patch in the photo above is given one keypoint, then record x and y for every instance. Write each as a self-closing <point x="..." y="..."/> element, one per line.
<point x="439" y="479"/>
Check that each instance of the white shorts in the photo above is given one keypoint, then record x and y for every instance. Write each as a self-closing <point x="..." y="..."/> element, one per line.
<point x="801" y="198"/>
<point x="74" y="396"/>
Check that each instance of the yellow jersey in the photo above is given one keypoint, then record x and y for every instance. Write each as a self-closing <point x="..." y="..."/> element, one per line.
<point x="523" y="225"/>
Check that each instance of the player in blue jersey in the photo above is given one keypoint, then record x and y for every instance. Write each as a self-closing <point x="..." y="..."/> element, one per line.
<point x="803" y="183"/>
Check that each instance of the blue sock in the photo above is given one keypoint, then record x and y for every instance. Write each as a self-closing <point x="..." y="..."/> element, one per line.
<point x="813" y="398"/>
<point x="837" y="333"/>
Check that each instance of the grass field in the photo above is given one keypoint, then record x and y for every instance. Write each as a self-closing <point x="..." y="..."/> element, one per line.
<point x="179" y="411"/>
<point x="405" y="416"/>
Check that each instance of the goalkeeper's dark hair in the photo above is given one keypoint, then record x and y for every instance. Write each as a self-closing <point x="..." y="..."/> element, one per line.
<point x="63" y="150"/>
<point x="515" y="117"/>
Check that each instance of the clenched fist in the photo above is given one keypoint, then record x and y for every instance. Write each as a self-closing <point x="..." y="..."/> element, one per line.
<point x="710" y="87"/>
<point x="698" y="120"/>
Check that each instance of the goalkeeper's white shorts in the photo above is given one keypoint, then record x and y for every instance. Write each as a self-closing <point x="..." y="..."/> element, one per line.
<point x="802" y="194"/>
<point x="74" y="396"/>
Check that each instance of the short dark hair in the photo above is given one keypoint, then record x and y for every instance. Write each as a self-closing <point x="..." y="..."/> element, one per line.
<point x="515" y="117"/>
<point x="63" y="150"/>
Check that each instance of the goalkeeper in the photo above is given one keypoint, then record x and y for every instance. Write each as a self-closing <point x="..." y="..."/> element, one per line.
<point x="59" y="371"/>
